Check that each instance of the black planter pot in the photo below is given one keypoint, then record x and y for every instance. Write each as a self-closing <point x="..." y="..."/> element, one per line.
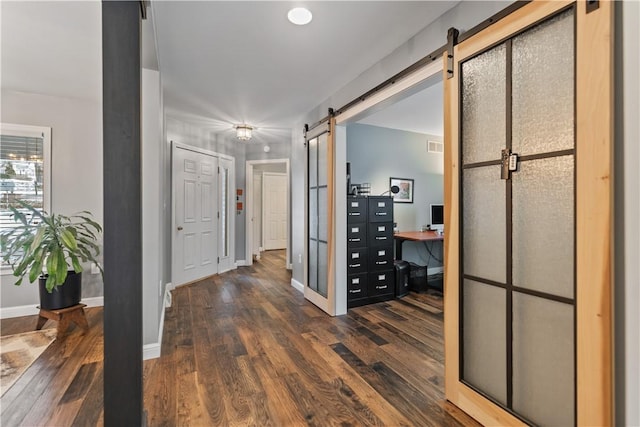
<point x="66" y="295"/>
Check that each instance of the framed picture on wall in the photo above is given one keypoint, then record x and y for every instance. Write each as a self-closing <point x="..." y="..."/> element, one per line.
<point x="405" y="193"/>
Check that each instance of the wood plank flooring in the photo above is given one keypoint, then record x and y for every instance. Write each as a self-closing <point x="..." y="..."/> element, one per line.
<point x="245" y="348"/>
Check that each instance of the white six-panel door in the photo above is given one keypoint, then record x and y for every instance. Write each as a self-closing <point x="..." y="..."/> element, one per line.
<point x="274" y="196"/>
<point x="195" y="251"/>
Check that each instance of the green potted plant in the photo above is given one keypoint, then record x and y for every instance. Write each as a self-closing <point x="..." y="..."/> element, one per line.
<point x="51" y="247"/>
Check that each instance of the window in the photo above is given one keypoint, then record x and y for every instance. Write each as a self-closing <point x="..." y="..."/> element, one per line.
<point x="25" y="168"/>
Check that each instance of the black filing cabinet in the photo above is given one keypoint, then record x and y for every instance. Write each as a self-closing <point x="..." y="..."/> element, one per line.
<point x="370" y="270"/>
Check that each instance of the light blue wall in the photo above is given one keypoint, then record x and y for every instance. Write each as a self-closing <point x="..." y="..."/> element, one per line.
<point x="378" y="153"/>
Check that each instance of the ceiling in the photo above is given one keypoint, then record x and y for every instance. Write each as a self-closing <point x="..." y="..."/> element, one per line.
<point x="221" y="63"/>
<point x="52" y="48"/>
<point x="230" y="62"/>
<point x="421" y="112"/>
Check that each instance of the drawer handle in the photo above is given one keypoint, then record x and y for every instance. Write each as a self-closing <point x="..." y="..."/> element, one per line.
<point x="354" y="265"/>
<point x="354" y="240"/>
<point x="380" y="238"/>
<point x="382" y="287"/>
<point x="381" y="213"/>
<point x="357" y="291"/>
<point x="354" y="213"/>
<point x="381" y="262"/>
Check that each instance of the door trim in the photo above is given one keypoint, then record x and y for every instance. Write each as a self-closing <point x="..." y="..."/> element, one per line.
<point x="594" y="231"/>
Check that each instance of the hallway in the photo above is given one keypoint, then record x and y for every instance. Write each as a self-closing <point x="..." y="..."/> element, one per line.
<point x="245" y="348"/>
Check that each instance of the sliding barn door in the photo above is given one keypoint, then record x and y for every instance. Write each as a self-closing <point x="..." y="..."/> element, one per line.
<point x="528" y="193"/>
<point x="320" y="285"/>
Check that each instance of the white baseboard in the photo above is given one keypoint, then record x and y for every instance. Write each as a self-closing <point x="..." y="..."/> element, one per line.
<point x="32" y="309"/>
<point x="241" y="263"/>
<point x="152" y="350"/>
<point x="260" y="249"/>
<point x="297" y="285"/>
<point x="18" y="311"/>
<point x="94" y="302"/>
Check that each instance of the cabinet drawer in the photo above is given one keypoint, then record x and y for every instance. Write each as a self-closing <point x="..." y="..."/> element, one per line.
<point x="356" y="260"/>
<point x="381" y="258"/>
<point x="380" y="209"/>
<point x="381" y="234"/>
<point x="381" y="283"/>
<point x="357" y="286"/>
<point x="356" y="209"/>
<point x="356" y="235"/>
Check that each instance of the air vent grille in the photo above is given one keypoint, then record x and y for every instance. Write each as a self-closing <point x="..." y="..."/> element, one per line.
<point x="435" y="147"/>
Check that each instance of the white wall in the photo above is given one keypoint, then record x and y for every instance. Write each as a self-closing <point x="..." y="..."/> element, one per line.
<point x="76" y="161"/>
<point x="152" y="241"/>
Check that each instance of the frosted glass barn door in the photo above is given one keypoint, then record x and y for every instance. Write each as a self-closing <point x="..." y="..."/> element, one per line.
<point x="525" y="291"/>
<point x="319" y="286"/>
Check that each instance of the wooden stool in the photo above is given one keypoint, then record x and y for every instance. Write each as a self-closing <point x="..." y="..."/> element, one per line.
<point x="64" y="317"/>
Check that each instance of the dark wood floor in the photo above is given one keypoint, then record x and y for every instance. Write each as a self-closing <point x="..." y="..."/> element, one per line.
<point x="244" y="348"/>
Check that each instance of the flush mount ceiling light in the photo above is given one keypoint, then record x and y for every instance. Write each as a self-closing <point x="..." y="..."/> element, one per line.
<point x="299" y="16"/>
<point x="243" y="132"/>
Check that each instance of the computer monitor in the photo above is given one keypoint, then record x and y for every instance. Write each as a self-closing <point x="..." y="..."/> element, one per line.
<point x="437" y="217"/>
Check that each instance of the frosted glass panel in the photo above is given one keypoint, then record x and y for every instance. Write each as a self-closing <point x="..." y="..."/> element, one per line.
<point x="484" y="247"/>
<point x="322" y="269"/>
<point x="543" y="370"/>
<point x="484" y="106"/>
<point x="543" y="87"/>
<point x="484" y="335"/>
<point x="322" y="159"/>
<point x="322" y="213"/>
<point x="313" y="213"/>
<point x="543" y="226"/>
<point x="313" y="162"/>
<point x="313" y="264"/>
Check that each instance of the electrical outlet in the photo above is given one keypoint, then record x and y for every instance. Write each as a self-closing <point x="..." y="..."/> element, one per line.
<point x="299" y="258"/>
<point x="94" y="268"/>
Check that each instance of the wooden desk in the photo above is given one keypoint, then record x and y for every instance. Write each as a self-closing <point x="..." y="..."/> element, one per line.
<point x="414" y="236"/>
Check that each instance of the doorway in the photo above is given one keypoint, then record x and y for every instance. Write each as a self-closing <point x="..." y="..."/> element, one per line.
<point x="268" y="205"/>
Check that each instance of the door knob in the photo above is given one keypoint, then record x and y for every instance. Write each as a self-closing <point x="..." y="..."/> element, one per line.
<point x="179" y="228"/>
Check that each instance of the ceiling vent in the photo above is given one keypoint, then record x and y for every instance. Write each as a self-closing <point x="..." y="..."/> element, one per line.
<point x="435" y="147"/>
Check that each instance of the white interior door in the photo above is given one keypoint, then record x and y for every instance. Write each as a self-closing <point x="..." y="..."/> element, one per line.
<point x="195" y="250"/>
<point x="225" y="214"/>
<point x="274" y="197"/>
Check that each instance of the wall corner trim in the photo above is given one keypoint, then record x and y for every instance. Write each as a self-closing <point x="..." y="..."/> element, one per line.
<point x="297" y="285"/>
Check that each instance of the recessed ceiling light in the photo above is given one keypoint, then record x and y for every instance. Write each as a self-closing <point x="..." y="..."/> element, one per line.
<point x="299" y="16"/>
